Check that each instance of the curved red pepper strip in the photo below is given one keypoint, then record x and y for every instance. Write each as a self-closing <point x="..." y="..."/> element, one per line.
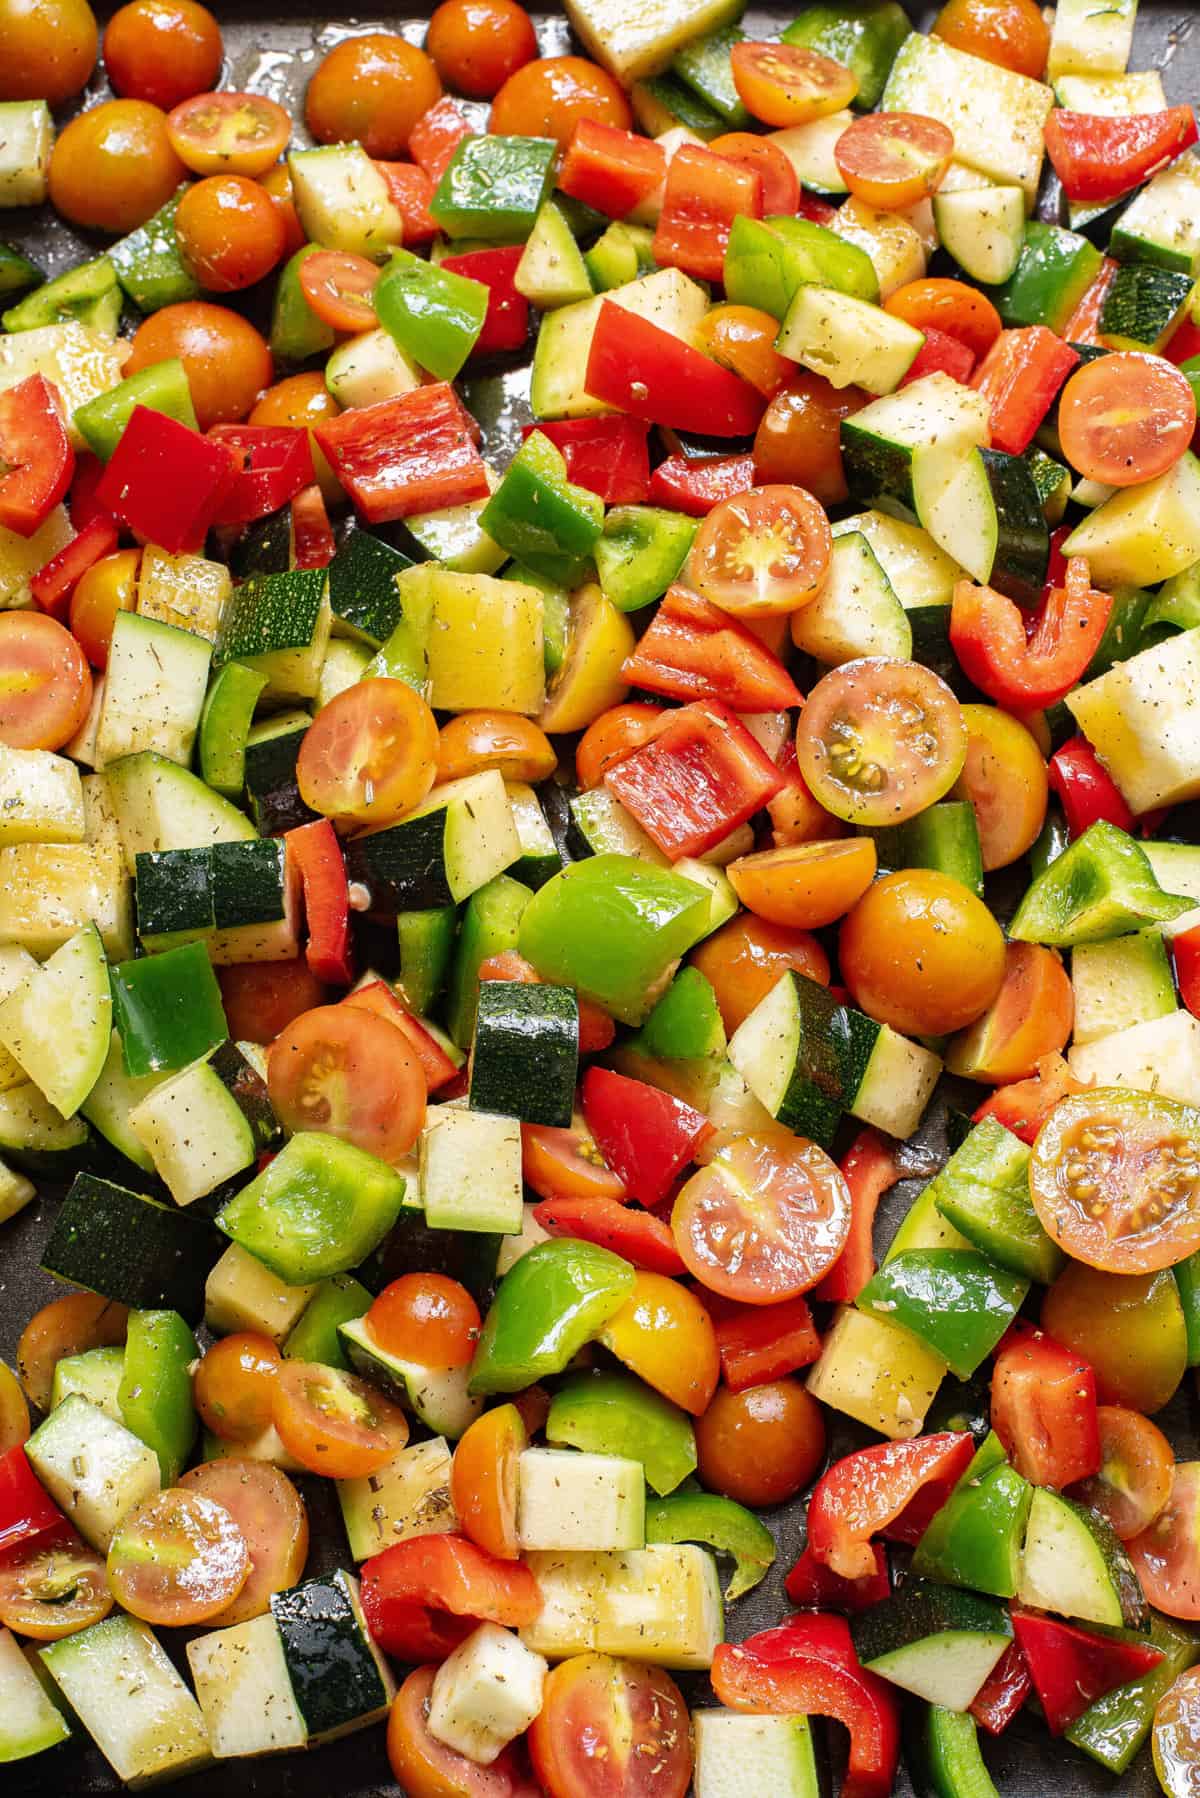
<point x="864" y="1493"/>
<point x="637" y="1236"/>
<point x="1086" y="789"/>
<point x="415" y="1594"/>
<point x="1023" y="674"/>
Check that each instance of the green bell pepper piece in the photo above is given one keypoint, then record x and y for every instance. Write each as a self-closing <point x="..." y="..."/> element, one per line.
<point x="1187" y="1279"/>
<point x="686" y="1024"/>
<point x="983" y="1190"/>
<point x="17" y="273"/>
<point x="941" y="1749"/>
<point x="318" y="1209"/>
<point x="944" y="837"/>
<point x="556" y="612"/>
<point x="766" y="260"/>
<point x="426" y="941"/>
<point x="558" y="1296"/>
<point x="168" y="1009"/>
<point x="641" y="552"/>
<point x="1115" y="1727"/>
<point x="490" y="925"/>
<point x="494" y="186"/>
<point x="723" y="1525"/>
<point x="705" y="66"/>
<point x="1054" y="271"/>
<point x="1100" y="887"/>
<point x="149" y="265"/>
<point x="864" y="37"/>
<point x="956" y="1301"/>
<point x="622" y="254"/>
<point x="1053" y="839"/>
<point x="296" y="331"/>
<point x="541" y="518"/>
<point x="315" y="1337"/>
<point x="155" y="1394"/>
<point x="616" y="1414"/>
<point x="86" y="294"/>
<point x="433" y="314"/>
<point x="163" y="387"/>
<point x="975" y="1539"/>
<point x="402" y="657"/>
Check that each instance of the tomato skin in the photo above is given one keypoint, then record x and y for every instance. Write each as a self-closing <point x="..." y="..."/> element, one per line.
<point x="762" y="1445"/>
<point x="611" y="1729"/>
<point x="763" y="552"/>
<point x="277" y="182"/>
<point x="14" y="1412"/>
<point x="261" y="998"/>
<point x="109" y="586"/>
<point x="427" y="1318"/>
<point x="340" y="287"/>
<point x="1005" y="779"/>
<point x="743" y="338"/>
<point x="229" y="134"/>
<point x="566" y="1164"/>
<point x="1136" y="1468"/>
<point x="471" y="742"/>
<point x="920" y="952"/>
<point x="805" y="885"/>
<point x="113" y="166"/>
<point x="226" y="360"/>
<point x="333" y="1423"/>
<point x="894" y="159"/>
<point x="1166" y="1557"/>
<point x="53" y="1585"/>
<point x="1129" y="1327"/>
<point x="66" y="1326"/>
<point x="783" y="84"/>
<point x="664" y="1335"/>
<point x="348" y="1072"/>
<point x="744" y="958"/>
<point x="1030" y="1018"/>
<point x="612" y="736"/>
<point x="1044" y="1409"/>
<point x="477" y="44"/>
<point x="425" y="1768"/>
<point x="163" y="51"/>
<point x="230" y="232"/>
<point x="234" y="1386"/>
<point x="370" y="755"/>
<point x="879" y="740"/>
<point x="780" y="186"/>
<point x="272" y="1518"/>
<point x="371" y="90"/>
<point x="798" y="438"/>
<point x="1012" y="33"/>
<point x="484" y="1478"/>
<point x="950" y="306"/>
<point x="1126" y="421"/>
<point x="547" y="98"/>
<point x="47" y="49"/>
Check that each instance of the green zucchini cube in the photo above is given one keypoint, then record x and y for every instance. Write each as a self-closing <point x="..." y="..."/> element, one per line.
<point x="494" y="187"/>
<point x="340" y="1680"/>
<point x="362" y="588"/>
<point x="173" y="891"/>
<point x="131" y="1249"/>
<point x="525" y="1060"/>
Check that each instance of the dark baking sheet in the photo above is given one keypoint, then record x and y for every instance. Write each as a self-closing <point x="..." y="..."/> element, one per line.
<point x="275" y="56"/>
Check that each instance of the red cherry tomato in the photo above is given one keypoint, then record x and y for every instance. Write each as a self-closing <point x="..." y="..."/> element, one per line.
<point x="45" y="682"/>
<point x="338" y="286"/>
<point x="163" y="51"/>
<point x="477" y="44"/>
<point x="346" y="1071"/>
<point x="229" y="134"/>
<point x="607" y="1727"/>
<point x="426" y="1318"/>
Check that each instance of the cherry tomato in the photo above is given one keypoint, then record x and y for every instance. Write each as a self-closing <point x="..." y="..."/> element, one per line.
<point x="799" y="436"/>
<point x="1176" y="1740"/>
<point x="1166" y="1557"/>
<point x="566" y="1164"/>
<point x="229" y="134"/>
<point x="1030" y="1018"/>
<point x="549" y="97"/>
<point x="663" y="1334"/>
<point x="234" y="1386"/>
<point x="780" y="185"/>
<point x="762" y="1445"/>
<point x="743" y="339"/>
<point x="163" y="51"/>
<point x="66" y="1326"/>
<point x="370" y="755"/>
<point x="109" y="586"/>
<point x="1004" y="778"/>
<point x="50" y="1590"/>
<point x="484" y="1478"/>
<point x="1115" y="1179"/>
<point x="894" y="159"/>
<point x="612" y="736"/>
<point x="1130" y="1327"/>
<point x="950" y="306"/>
<point x="426" y="1768"/>
<point x="474" y="741"/>
<point x="339" y="288"/>
<point x="805" y="885"/>
<point x="270" y="1514"/>
<point x="785" y="84"/>
<point x="920" y="952"/>
<point x="45" y="682"/>
<point x="1126" y="418"/>
<point x="334" y="1423"/>
<point x="609" y="1727"/>
<point x="277" y="182"/>
<point x="1012" y="33"/>
<point x="371" y="90"/>
<point x="226" y="360"/>
<point x="796" y="816"/>
<point x="177" y="1559"/>
<point x="1134" y="1481"/>
<point x="345" y="1071"/>
<point x="426" y="1318"/>
<point x="229" y="231"/>
<point x="303" y="400"/>
<point x="14" y="1412"/>
<point x="47" y="49"/>
<point x="113" y="166"/>
<point x="764" y="1220"/>
<point x="878" y="741"/>
<point x="477" y="44"/>
<point x="744" y="958"/>
<point x="762" y="552"/>
<point x="261" y="998"/>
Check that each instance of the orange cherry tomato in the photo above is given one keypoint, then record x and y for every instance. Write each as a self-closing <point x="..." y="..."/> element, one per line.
<point x="894" y="159"/>
<point x="483" y="1480"/>
<point x="1004" y="778"/>
<point x="663" y="1334"/>
<point x="549" y="97"/>
<point x="471" y="742"/>
<point x="805" y="885"/>
<point x="45" y="682"/>
<point x="566" y="1164"/>
<point x="762" y="552"/>
<point x="1126" y="418"/>
<point x="113" y="166"/>
<point x="347" y="1072"/>
<point x="234" y="1386"/>
<point x="743" y="960"/>
<point x="370" y="755"/>
<point x="425" y="1768"/>
<point x="14" y="1412"/>
<point x="1136" y="1468"/>
<point x="879" y="740"/>
<point x="230" y="232"/>
<point x="339" y="288"/>
<point x="163" y="51"/>
<point x="273" y="1521"/>
<point x="609" y="1727"/>
<point x="780" y="184"/>
<point x="799" y="436"/>
<point x="177" y="1559"/>
<point x="1011" y="33"/>
<point x="1176" y="1733"/>
<point x="920" y="952"/>
<point x="1031" y="1016"/>
<point x="226" y="360"/>
<point x="109" y="586"/>
<point x="47" y="49"/>
<point x="371" y="90"/>
<point x="261" y="998"/>
<point x="743" y="338"/>
<point x="950" y="306"/>
<point x="614" y="735"/>
<point x="785" y="84"/>
<point x="1166" y="1556"/>
<point x="66" y="1326"/>
<point x="762" y="1445"/>
<point x="277" y="182"/>
<point x="333" y="1422"/>
<point x="796" y="817"/>
<point x="477" y="44"/>
<point x="49" y="1590"/>
<point x="426" y="1318"/>
<point x="229" y="134"/>
<point x="303" y="400"/>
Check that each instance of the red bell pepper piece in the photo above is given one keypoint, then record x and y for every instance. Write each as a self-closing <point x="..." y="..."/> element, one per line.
<point x="1098" y="158"/>
<point x="506" y="323"/>
<point x="1044" y="1409"/>
<point x="863" y="1494"/>
<point x="377" y="996"/>
<point x="315" y="856"/>
<point x="1003" y="1692"/>
<point x="611" y="170"/>
<point x="693" y="650"/>
<point x="1086" y="789"/>
<point x="82" y="502"/>
<point x="405" y="456"/>
<point x="54" y="583"/>
<point x="312" y="538"/>
<point x="1186" y="950"/>
<point x="941" y="354"/>
<point x="421" y="1597"/>
<point x="165" y="481"/>
<point x="1070" y="1667"/>
<point x="813" y="207"/>
<point x="1184" y="342"/>
<point x="703" y="195"/>
<point x="825" y="1636"/>
<point x="607" y="455"/>
<point x="695" y="484"/>
<point x="1024" y="1105"/>
<point x="1024" y="671"/>
<point x="640" y="368"/>
<point x="436" y="136"/>
<point x="701" y="776"/>
<point x="35" y="446"/>
<point x="271" y="463"/>
<point x="758" y="1343"/>
<point x="1083" y="326"/>
<point x="645" y="1135"/>
<point x="812" y="1584"/>
<point x="26" y="1509"/>
<point x="637" y="1236"/>
<point x="410" y="189"/>
<point x="1019" y="377"/>
<point x="596" y="1028"/>
<point x="869" y="1169"/>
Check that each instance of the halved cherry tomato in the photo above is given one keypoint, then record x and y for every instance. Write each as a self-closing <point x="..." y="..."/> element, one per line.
<point x="177" y="1559"/>
<point x="14" y="1412"/>
<point x="230" y="232"/>
<point x="785" y="84"/>
<point x="950" y="306"/>
<point x="664" y="1335"/>
<point x="805" y="885"/>
<point x="920" y="952"/>
<point x="370" y="755"/>
<point x="234" y="134"/>
<point x="272" y="1518"/>
<point x="1011" y="33"/>
<point x="1136" y="1468"/>
<point x="422" y="1596"/>
<point x="799" y="435"/>
<point x="764" y="1220"/>
<point x="1177" y="1735"/>
<point x="45" y="682"/>
<point x="1126" y="418"/>
<point x="1031" y="1016"/>
<point x="425" y="1768"/>
<point x="334" y="1423"/>
<point x="894" y="159"/>
<point x="49" y="1588"/>
<point x="1004" y="778"/>
<point x="1115" y="1179"/>
<point x="426" y="1318"/>
<point x="483" y="1480"/>
<point x="261" y="998"/>
<point x="1129" y="1327"/>
<point x="878" y="741"/>
<point x="339" y="288"/>
<point x="762" y="552"/>
<point x="109" y="586"/>
<point x="234" y="1386"/>
<point x="1166" y="1557"/>
<point x="780" y="185"/>
<point x="762" y="1445"/>
<point x="566" y="1164"/>
<point x="471" y="742"/>
<point x="743" y="338"/>
<point x="66" y="1326"/>
<point x="743" y="960"/>
<point x="345" y="1071"/>
<point x="607" y="1727"/>
<point x="612" y="736"/>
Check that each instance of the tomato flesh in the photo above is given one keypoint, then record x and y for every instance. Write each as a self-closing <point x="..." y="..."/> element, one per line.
<point x="611" y="1729"/>
<point x="343" y="1070"/>
<point x="51" y="1589"/>
<point x="785" y="84"/>
<point x="45" y="682"/>
<point x="66" y="1326"/>
<point x="273" y="1521"/>
<point x="1136" y="1470"/>
<point x="338" y="286"/>
<point x="483" y="1480"/>
<point x="235" y="134"/>
<point x="762" y="552"/>
<point x="1126" y="418"/>
<point x="1166" y="1556"/>
<point x="892" y="159"/>
<point x="370" y="755"/>
<point x="334" y="1423"/>
<point x="879" y="741"/>
<point x="177" y="1559"/>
